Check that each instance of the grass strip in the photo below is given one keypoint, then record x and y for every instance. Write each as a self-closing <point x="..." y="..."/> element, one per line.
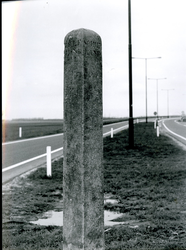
<point x="149" y="182"/>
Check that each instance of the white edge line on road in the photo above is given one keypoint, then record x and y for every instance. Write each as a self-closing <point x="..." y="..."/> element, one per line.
<point x="54" y="151"/>
<point x="114" y="130"/>
<point x="46" y="136"/>
<point x="114" y="123"/>
<point x="31" y="139"/>
<point x="179" y="123"/>
<point x="29" y="160"/>
<point x="173" y="132"/>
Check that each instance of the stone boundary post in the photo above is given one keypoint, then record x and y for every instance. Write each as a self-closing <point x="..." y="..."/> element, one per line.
<point x="83" y="198"/>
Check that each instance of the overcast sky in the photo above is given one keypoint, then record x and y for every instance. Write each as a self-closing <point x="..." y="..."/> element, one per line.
<point x="33" y="34"/>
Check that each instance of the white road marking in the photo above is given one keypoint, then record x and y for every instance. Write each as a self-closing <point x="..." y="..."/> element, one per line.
<point x="174" y="133"/>
<point x="46" y="136"/>
<point x="31" y="139"/>
<point x="54" y="151"/>
<point x="114" y="123"/>
<point x="179" y="123"/>
<point x="114" y="130"/>
<point x="29" y="160"/>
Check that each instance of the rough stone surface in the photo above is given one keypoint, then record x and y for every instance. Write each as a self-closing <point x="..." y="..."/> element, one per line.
<point x="83" y="142"/>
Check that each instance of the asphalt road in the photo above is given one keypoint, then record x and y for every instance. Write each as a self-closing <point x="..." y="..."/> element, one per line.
<point x="176" y="129"/>
<point x="16" y="152"/>
<point x="17" y="156"/>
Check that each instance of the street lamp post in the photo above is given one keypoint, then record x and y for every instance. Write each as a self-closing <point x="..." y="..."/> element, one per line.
<point x="167" y="101"/>
<point x="157" y="89"/>
<point x="131" y="129"/>
<point x="146" y="58"/>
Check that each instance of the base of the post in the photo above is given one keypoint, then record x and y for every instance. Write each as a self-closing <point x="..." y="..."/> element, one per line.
<point x="131" y="133"/>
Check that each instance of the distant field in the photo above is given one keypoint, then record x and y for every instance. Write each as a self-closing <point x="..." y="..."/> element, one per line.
<point x="30" y="128"/>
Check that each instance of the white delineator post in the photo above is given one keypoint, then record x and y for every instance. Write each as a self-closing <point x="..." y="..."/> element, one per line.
<point x="48" y="151"/>
<point x="20" y="131"/>
<point x="112" y="133"/>
<point x="158" y="131"/>
<point x="155" y="124"/>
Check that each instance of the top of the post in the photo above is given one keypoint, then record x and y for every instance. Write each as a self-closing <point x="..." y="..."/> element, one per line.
<point x="83" y="34"/>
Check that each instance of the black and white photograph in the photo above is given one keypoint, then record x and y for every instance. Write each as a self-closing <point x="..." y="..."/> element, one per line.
<point x="93" y="124"/>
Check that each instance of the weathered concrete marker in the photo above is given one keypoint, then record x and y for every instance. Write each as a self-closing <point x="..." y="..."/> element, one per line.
<point x="83" y="200"/>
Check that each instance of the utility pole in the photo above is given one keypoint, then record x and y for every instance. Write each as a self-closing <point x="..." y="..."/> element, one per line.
<point x="145" y="58"/>
<point x="157" y="90"/>
<point x="131" y="128"/>
<point x="167" y="101"/>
